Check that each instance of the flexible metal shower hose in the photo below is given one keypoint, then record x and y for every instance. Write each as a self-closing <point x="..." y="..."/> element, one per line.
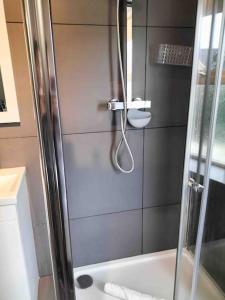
<point x="123" y="113"/>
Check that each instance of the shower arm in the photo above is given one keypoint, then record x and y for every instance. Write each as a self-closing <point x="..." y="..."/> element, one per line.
<point x="137" y="103"/>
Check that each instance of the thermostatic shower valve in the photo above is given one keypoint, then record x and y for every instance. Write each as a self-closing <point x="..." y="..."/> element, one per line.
<point x="137" y="103"/>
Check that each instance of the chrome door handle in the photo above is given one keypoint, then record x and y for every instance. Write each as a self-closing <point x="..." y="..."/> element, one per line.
<point x="197" y="187"/>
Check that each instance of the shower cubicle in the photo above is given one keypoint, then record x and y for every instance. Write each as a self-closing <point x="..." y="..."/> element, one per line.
<point x="130" y="242"/>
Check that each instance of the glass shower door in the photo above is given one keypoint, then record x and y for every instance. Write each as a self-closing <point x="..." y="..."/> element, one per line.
<point x="211" y="251"/>
<point x="201" y="231"/>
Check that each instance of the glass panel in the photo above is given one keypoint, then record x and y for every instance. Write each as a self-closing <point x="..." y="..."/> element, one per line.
<point x="213" y="247"/>
<point x="206" y="59"/>
<point x="203" y="108"/>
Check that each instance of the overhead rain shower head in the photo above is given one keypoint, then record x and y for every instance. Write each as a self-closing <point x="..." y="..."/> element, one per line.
<point x="177" y="55"/>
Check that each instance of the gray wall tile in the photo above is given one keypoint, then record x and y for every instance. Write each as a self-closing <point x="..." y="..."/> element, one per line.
<point x="163" y="165"/>
<point x="168" y="86"/>
<point x="99" y="12"/>
<point x="106" y="237"/>
<point x="172" y="13"/>
<point x="27" y="125"/>
<point x="87" y="76"/>
<point x="93" y="185"/>
<point x="87" y="69"/>
<point x="13" y="10"/>
<point x="160" y="228"/>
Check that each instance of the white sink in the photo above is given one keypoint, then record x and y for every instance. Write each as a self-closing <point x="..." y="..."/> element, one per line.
<point x="10" y="182"/>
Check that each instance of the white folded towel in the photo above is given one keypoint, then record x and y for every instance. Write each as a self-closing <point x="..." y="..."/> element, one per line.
<point x="124" y="293"/>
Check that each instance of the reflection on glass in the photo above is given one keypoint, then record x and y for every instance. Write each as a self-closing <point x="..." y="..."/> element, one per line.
<point x="212" y="261"/>
<point x="219" y="144"/>
<point x="2" y="95"/>
<point x="205" y="86"/>
<point x="213" y="247"/>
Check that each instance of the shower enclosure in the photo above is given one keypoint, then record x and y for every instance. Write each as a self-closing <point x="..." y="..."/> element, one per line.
<point x="204" y="169"/>
<point x="196" y="270"/>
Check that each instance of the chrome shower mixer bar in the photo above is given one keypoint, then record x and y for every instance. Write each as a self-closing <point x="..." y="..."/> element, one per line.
<point x="137" y="103"/>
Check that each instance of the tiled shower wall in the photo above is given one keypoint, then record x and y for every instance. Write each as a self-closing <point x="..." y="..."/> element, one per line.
<point x="112" y="215"/>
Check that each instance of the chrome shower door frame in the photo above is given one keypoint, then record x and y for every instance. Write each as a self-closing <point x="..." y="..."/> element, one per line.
<point x="39" y="36"/>
<point x="186" y="180"/>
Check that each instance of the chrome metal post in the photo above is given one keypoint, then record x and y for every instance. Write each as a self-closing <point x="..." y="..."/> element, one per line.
<point x="186" y="190"/>
<point x="137" y="103"/>
<point x="186" y="181"/>
<point x="129" y="73"/>
<point x="42" y="67"/>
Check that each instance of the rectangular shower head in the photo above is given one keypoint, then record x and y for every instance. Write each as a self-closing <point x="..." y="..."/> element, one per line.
<point x="174" y="55"/>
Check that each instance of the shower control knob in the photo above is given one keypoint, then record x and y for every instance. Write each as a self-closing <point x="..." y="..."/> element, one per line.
<point x="115" y="104"/>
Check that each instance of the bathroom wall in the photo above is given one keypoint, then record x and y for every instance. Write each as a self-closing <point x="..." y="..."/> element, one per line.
<point x="113" y="215"/>
<point x="18" y="142"/>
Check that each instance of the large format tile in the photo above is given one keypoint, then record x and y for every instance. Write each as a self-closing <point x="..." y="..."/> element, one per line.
<point x="160" y="228"/>
<point x="168" y="86"/>
<point x="18" y="152"/>
<point x="13" y="10"/>
<point x="106" y="237"/>
<point x="163" y="165"/>
<point x="99" y="12"/>
<point x="27" y="126"/>
<point x="93" y="185"/>
<point x="87" y="69"/>
<point x="172" y="13"/>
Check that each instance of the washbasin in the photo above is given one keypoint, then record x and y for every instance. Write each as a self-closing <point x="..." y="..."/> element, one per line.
<point x="10" y="182"/>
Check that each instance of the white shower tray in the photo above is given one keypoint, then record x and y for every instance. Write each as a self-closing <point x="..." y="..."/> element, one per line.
<point x="150" y="273"/>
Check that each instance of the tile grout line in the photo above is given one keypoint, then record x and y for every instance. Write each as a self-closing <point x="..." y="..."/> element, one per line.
<point x="16" y="137"/>
<point x="96" y="25"/>
<point x="128" y="129"/>
<point x="106" y="214"/>
<point x="124" y="211"/>
<point x="110" y="25"/>
<point x="90" y="132"/>
<point x="14" y="22"/>
<point x="114" y="25"/>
